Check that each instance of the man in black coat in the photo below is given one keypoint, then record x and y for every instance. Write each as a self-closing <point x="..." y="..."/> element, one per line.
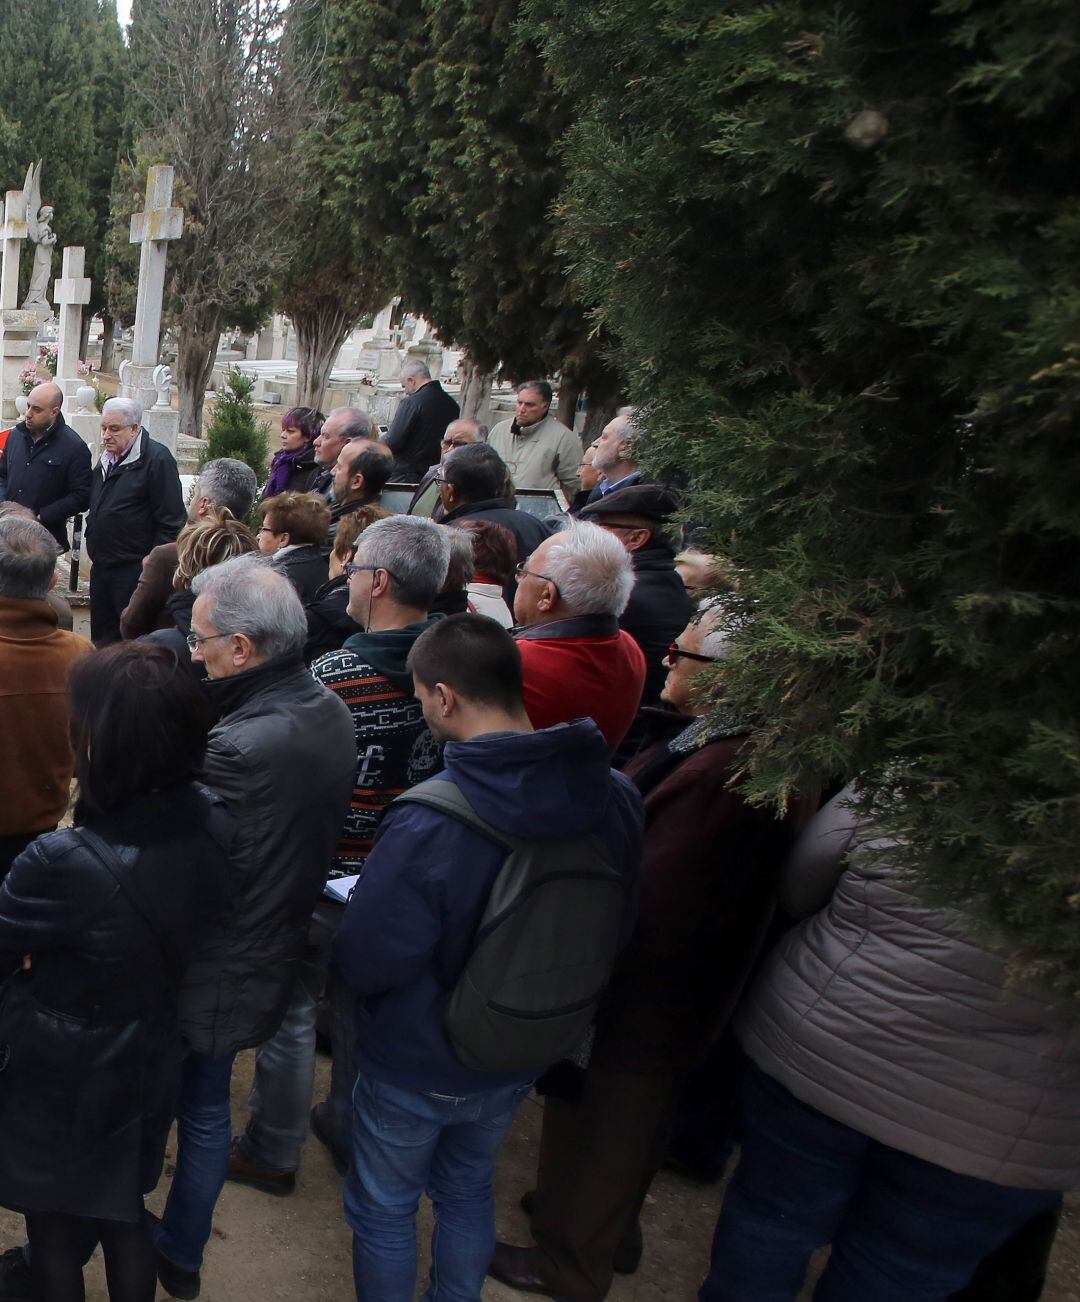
<point x="46" y="465"/>
<point x="659" y="607"/>
<point x="419" y="423"/>
<point x="135" y="505"/>
<point x="283" y="757"/>
<point x="472" y="484"/>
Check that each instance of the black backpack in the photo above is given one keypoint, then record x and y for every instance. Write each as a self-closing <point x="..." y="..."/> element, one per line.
<point x="544" y="949"/>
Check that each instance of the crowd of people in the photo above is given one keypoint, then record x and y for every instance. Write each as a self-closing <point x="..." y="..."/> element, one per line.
<point x="457" y="791"/>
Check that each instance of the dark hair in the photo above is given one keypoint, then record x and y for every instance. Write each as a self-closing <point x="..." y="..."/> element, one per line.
<point x="476" y="472"/>
<point x="305" y="517"/>
<point x="373" y="464"/>
<point x="352" y="525"/>
<point x="540" y="386"/>
<point x="494" y="549"/>
<point x="306" y="419"/>
<point x="138" y="724"/>
<point x="473" y="655"/>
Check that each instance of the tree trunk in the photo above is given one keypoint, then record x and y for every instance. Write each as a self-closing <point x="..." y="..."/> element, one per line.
<point x="196" y="350"/>
<point x="474" y="392"/>
<point x="84" y="334"/>
<point x="108" y="344"/>
<point x="568" y="399"/>
<point x="320" y="333"/>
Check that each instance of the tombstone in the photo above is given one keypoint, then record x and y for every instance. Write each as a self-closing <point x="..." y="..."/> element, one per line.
<point x="71" y="293"/>
<point x="430" y="353"/>
<point x="152" y="229"/>
<point x="18" y="326"/>
<point x="269" y="344"/>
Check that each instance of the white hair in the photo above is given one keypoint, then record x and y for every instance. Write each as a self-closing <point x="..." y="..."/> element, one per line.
<point x="630" y="430"/>
<point x="130" y="409"/>
<point x="591" y="568"/>
<point x="716" y="634"/>
<point x="253" y="598"/>
<point x="415" y="367"/>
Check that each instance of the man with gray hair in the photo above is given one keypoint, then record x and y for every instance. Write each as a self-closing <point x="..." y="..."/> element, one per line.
<point x="615" y="454"/>
<point x="135" y="504"/>
<point x="577" y="661"/>
<point x="225" y="487"/>
<point x="394" y="577"/>
<point x="35" y="657"/>
<point x="416" y="432"/>
<point x="283" y="757"/>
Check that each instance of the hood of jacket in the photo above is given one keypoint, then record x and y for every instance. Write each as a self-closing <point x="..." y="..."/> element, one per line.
<point x="546" y="785"/>
<point x="387" y="650"/>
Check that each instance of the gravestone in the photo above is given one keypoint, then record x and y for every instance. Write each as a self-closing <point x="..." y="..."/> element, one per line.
<point x="152" y="228"/>
<point x="18" y="326"/>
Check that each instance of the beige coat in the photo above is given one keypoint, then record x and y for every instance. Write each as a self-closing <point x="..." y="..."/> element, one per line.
<point x="544" y="455"/>
<point x="896" y="1019"/>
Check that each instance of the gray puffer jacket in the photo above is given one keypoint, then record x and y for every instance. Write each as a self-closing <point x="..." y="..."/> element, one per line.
<point x="895" y="1018"/>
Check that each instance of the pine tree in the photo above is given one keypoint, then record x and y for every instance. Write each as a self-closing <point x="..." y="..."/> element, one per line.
<point x="234" y="429"/>
<point x="836" y="245"/>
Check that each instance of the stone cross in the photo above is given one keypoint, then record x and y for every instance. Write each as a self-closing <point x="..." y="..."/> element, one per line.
<point x="13" y="233"/>
<point x="70" y="293"/>
<point x="152" y="229"/>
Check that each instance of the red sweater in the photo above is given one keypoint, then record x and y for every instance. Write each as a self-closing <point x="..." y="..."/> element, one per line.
<point x="598" y="678"/>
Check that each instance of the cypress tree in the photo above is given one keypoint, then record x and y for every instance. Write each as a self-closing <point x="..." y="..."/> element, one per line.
<point x="234" y="429"/>
<point x="837" y="247"/>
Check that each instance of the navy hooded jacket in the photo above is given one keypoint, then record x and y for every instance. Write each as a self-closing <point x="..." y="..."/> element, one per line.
<point x="409" y="926"/>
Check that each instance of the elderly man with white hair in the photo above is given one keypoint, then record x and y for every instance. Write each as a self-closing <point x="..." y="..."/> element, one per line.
<point x="577" y="662"/>
<point x="135" y="505"/>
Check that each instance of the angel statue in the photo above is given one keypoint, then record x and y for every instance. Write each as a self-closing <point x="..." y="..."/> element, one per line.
<point x="38" y="217"/>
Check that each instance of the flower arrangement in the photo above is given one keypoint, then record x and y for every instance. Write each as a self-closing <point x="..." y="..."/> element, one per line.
<point x="28" y="377"/>
<point x="47" y="353"/>
<point x="84" y="370"/>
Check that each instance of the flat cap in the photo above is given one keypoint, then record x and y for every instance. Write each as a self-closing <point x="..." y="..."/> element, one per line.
<point x="647" y="500"/>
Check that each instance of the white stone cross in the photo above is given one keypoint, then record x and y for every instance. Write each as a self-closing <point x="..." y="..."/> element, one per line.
<point x="13" y="233"/>
<point x="152" y="229"/>
<point x="70" y="293"/>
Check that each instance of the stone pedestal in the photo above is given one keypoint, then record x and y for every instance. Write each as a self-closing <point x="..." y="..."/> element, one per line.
<point x="428" y="351"/>
<point x="83" y="417"/>
<point x="18" y="343"/>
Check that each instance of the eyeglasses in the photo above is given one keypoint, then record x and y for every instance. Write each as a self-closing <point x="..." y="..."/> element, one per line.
<point x="351" y="569"/>
<point x="194" y="641"/>
<point x="675" y="653"/>
<point x="520" y="571"/>
<point x="456" y="443"/>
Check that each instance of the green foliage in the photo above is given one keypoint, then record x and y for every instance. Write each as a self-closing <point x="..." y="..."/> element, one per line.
<point x="837" y="246"/>
<point x="61" y="84"/>
<point x="441" y="151"/>
<point x="234" y="429"/>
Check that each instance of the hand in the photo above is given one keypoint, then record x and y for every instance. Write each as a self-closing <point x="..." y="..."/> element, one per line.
<point x="26" y="963"/>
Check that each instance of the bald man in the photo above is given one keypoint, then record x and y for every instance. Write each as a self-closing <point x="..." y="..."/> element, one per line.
<point x="46" y="465"/>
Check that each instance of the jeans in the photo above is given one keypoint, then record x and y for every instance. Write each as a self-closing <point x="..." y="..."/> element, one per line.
<point x="408" y="1142"/>
<point x="202" y="1159"/>
<point x="280" y="1098"/>
<point x="902" y="1229"/>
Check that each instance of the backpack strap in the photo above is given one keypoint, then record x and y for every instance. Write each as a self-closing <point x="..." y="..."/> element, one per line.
<point x="447" y="797"/>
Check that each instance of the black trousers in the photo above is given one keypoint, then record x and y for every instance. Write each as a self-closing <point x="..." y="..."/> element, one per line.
<point x="111" y="587"/>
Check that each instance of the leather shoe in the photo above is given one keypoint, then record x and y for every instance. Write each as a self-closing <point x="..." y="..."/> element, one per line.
<point x="627" y="1255"/>
<point x="243" y="1169"/>
<point x="519" y="1268"/>
<point x="322" y="1132"/>
<point x="184" y="1284"/>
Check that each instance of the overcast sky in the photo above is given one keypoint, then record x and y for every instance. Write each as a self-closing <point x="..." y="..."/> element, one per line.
<point x="123" y="12"/>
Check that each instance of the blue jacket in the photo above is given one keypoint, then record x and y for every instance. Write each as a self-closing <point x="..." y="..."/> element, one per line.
<point x="408" y="929"/>
<point x="51" y="477"/>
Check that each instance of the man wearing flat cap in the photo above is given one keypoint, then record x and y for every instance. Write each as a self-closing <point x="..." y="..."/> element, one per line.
<point x="659" y="608"/>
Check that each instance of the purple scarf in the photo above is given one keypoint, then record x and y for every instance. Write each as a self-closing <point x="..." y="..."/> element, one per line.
<point x="282" y="468"/>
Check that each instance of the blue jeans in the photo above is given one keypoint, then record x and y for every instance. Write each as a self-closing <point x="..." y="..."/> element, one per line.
<point x="409" y="1142"/>
<point x="281" y="1091"/>
<point x="202" y="1159"/>
<point x="902" y="1229"/>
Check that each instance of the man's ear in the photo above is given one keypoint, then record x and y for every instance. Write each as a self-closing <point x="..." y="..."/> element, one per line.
<point x="637" y="539"/>
<point x="446" y="698"/>
<point x="242" y="649"/>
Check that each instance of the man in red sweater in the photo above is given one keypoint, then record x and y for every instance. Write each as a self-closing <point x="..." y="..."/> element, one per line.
<point x="577" y="662"/>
